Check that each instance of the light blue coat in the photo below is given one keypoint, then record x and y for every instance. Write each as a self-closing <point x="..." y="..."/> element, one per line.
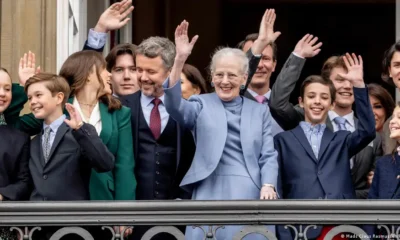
<point x="205" y="116"/>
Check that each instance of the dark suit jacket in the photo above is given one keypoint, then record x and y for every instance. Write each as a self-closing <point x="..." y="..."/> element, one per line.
<point x="289" y="116"/>
<point x="185" y="143"/>
<point x="66" y="174"/>
<point x="15" y="181"/>
<point x="385" y="185"/>
<point x="302" y="176"/>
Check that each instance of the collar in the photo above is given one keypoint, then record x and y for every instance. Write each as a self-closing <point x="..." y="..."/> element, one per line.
<point x="95" y="112"/>
<point x="349" y="117"/>
<point x="55" y="124"/>
<point x="146" y="100"/>
<point x="254" y="94"/>
<point x="306" y="126"/>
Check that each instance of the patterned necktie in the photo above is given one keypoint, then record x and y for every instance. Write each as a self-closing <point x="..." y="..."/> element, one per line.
<point x="261" y="99"/>
<point x="341" y="122"/>
<point x="155" y="119"/>
<point x="2" y="119"/>
<point x="46" y="143"/>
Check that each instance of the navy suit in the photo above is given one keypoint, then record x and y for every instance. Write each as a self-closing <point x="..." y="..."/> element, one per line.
<point x="303" y="176"/>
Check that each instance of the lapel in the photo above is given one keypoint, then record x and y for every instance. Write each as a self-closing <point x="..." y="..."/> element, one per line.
<point x="248" y="95"/>
<point x="59" y="135"/>
<point x="39" y="143"/>
<point x="106" y="123"/>
<point x="326" y="139"/>
<point x="328" y="123"/>
<point x="133" y="102"/>
<point x="301" y="137"/>
<point x="218" y="118"/>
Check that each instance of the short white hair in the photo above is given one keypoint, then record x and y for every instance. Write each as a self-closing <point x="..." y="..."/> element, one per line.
<point x="230" y="52"/>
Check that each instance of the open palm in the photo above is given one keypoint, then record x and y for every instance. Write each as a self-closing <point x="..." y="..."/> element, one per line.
<point x="355" y="72"/>
<point x="27" y="67"/>
<point x="183" y="46"/>
<point x="115" y="16"/>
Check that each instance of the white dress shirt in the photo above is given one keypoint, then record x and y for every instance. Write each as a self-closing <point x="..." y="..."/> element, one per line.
<point x="95" y="118"/>
<point x="147" y="106"/>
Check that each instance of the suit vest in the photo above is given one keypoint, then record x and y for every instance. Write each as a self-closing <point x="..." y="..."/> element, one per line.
<point x="156" y="164"/>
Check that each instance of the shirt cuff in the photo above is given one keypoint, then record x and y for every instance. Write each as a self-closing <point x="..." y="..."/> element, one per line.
<point x="257" y="56"/>
<point x="96" y="40"/>
<point x="297" y="55"/>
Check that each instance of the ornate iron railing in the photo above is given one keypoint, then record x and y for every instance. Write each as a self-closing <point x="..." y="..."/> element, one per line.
<point x="28" y="217"/>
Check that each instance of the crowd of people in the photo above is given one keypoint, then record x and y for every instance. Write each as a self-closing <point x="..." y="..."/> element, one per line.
<point x="142" y="124"/>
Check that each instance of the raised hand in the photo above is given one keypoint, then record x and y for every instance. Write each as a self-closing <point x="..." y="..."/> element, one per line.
<point x="307" y="46"/>
<point x="182" y="44"/>
<point x="114" y="17"/>
<point x="27" y="67"/>
<point x="266" y="35"/>
<point x="355" y="72"/>
<point x="75" y="121"/>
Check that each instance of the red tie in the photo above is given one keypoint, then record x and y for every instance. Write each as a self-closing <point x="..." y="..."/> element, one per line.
<point x="155" y="119"/>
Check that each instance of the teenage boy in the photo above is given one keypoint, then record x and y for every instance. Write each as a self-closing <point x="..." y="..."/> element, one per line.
<point x="313" y="160"/>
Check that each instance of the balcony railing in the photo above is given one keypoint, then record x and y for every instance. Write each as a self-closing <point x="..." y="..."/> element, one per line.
<point x="27" y="217"/>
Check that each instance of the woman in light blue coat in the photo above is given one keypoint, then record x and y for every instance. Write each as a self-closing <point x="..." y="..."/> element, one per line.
<point x="235" y="157"/>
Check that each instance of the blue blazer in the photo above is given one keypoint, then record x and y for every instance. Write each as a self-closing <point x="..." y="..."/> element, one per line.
<point x="303" y="176"/>
<point x="205" y="116"/>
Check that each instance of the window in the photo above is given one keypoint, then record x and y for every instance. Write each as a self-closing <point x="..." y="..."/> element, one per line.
<point x="71" y="28"/>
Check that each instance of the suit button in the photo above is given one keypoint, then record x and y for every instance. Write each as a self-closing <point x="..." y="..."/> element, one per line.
<point x="319" y="173"/>
<point x="157" y="172"/>
<point x="44" y="177"/>
<point x="157" y="154"/>
<point x="158" y="163"/>
<point x="157" y="182"/>
<point x="156" y="193"/>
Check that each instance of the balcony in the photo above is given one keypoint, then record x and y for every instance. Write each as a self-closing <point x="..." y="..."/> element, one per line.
<point x="27" y="217"/>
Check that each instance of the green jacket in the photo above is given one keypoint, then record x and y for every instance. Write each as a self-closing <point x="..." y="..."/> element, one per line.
<point x="116" y="133"/>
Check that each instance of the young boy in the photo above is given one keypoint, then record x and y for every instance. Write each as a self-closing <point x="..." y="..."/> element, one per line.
<point x="63" y="155"/>
<point x="314" y="161"/>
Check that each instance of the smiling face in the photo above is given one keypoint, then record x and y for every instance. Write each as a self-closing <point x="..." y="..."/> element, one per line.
<point x="394" y="124"/>
<point x="316" y="103"/>
<point x="344" y="89"/>
<point x="379" y="113"/>
<point x="102" y="85"/>
<point x="5" y="90"/>
<point x="44" y="104"/>
<point x="151" y="74"/>
<point x="265" y="67"/>
<point x="227" y="77"/>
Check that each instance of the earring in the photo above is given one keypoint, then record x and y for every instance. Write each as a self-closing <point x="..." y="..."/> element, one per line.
<point x="212" y="84"/>
<point x="242" y="87"/>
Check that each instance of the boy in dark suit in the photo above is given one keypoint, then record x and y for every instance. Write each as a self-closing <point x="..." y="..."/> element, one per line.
<point x="63" y="155"/>
<point x="314" y="161"/>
